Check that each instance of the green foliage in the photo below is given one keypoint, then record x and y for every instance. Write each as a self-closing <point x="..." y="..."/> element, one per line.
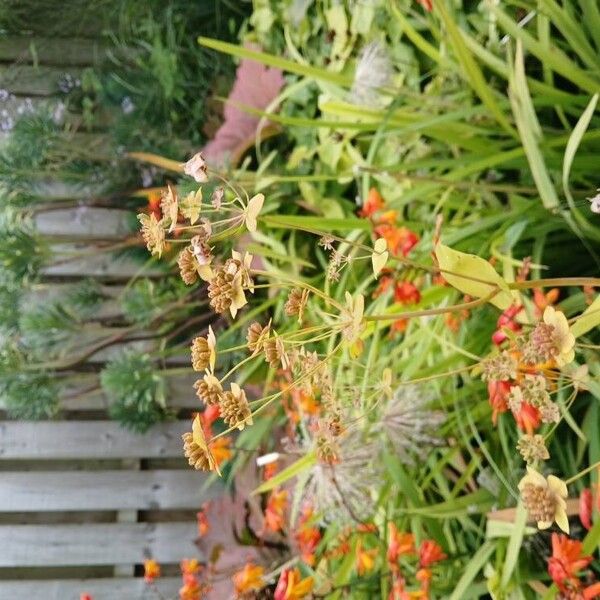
<point x="22" y="252"/>
<point x="136" y="391"/>
<point x="147" y="299"/>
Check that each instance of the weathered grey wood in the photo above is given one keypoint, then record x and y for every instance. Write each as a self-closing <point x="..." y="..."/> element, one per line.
<point x="102" y="490"/>
<point x="99" y="589"/>
<point x="87" y="439"/>
<point x="95" y="544"/>
<point x="74" y="52"/>
<point x="34" y="81"/>
<point x="85" y="222"/>
<point x="180" y="394"/>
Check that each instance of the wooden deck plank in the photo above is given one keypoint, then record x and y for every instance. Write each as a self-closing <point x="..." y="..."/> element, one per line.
<point x="121" y="588"/>
<point x="95" y="544"/>
<point x="86" y="222"/>
<point x="102" y="490"/>
<point x="35" y="81"/>
<point x="48" y="440"/>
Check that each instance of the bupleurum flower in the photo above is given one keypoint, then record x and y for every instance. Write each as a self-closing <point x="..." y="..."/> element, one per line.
<point x="153" y="233"/>
<point x="188" y="266"/>
<point x="296" y="303"/>
<point x="551" y="339"/>
<point x="220" y="290"/>
<point x="275" y="353"/>
<point x="209" y="390"/>
<point x="196" y="449"/>
<point x="235" y="409"/>
<point x="545" y="499"/>
<point x="256" y="336"/>
<point x="204" y="351"/>
<point x="532" y="448"/>
<point x="500" y="367"/>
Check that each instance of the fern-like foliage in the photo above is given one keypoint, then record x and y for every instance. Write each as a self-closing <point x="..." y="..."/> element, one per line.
<point x="22" y="253"/>
<point x="147" y="299"/>
<point x="136" y="391"/>
<point x="25" y="394"/>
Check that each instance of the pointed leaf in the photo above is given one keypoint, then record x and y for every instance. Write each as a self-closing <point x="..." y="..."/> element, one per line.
<point x="472" y="275"/>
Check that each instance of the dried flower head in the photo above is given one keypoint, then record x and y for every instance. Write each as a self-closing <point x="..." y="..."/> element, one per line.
<point x="275" y="353"/>
<point x="326" y="242"/>
<point x="500" y="367"/>
<point x="191" y="206"/>
<point x="235" y="409"/>
<point x="342" y="491"/>
<point x="204" y="351"/>
<point x="256" y="336"/>
<point x="327" y="449"/>
<point x="227" y="288"/>
<point x="209" y="389"/>
<point x="188" y="266"/>
<point x="532" y="448"/>
<point x="196" y="167"/>
<point x="296" y="303"/>
<point x="217" y="198"/>
<point x="196" y="449"/>
<point x="169" y="206"/>
<point x="153" y="233"/>
<point x="551" y="339"/>
<point x="545" y="499"/>
<point x="410" y="423"/>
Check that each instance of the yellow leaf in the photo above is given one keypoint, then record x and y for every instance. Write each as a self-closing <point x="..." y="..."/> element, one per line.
<point x="472" y="275"/>
<point x="588" y="319"/>
<point x="191" y="206"/>
<point x="252" y="210"/>
<point x="379" y="256"/>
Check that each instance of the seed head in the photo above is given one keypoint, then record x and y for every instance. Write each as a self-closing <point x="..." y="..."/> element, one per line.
<point x="188" y="266"/>
<point x="220" y="290"/>
<point x="532" y="448"/>
<point x="234" y="407"/>
<point x="198" y="457"/>
<point x="256" y="336"/>
<point x="201" y="354"/>
<point x="209" y="390"/>
<point x="296" y="303"/>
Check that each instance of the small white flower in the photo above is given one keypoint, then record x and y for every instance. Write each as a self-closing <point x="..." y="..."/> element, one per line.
<point x="595" y="203"/>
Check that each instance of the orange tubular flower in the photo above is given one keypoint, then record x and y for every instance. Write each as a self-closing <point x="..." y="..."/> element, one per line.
<point x="586" y="508"/>
<point x="365" y="559"/>
<point x="291" y="586"/>
<point x="399" y="544"/>
<point x="190" y="566"/>
<point x="430" y="552"/>
<point x="221" y="449"/>
<point x="270" y="470"/>
<point x="373" y="203"/>
<point x="307" y="536"/>
<point x="528" y="418"/>
<point x="566" y="561"/>
<point x="407" y="293"/>
<point x="541" y="300"/>
<point x="400" y="240"/>
<point x="498" y="397"/>
<point x="191" y="588"/>
<point x="274" y="513"/>
<point x="202" y="521"/>
<point x="85" y="596"/>
<point x="250" y="578"/>
<point x="151" y="570"/>
<point x="426" y="4"/>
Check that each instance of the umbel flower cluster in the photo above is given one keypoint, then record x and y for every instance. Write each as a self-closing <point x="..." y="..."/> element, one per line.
<point x="347" y="408"/>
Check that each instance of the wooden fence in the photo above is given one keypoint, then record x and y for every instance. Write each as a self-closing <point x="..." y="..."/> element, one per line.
<point x="82" y="501"/>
